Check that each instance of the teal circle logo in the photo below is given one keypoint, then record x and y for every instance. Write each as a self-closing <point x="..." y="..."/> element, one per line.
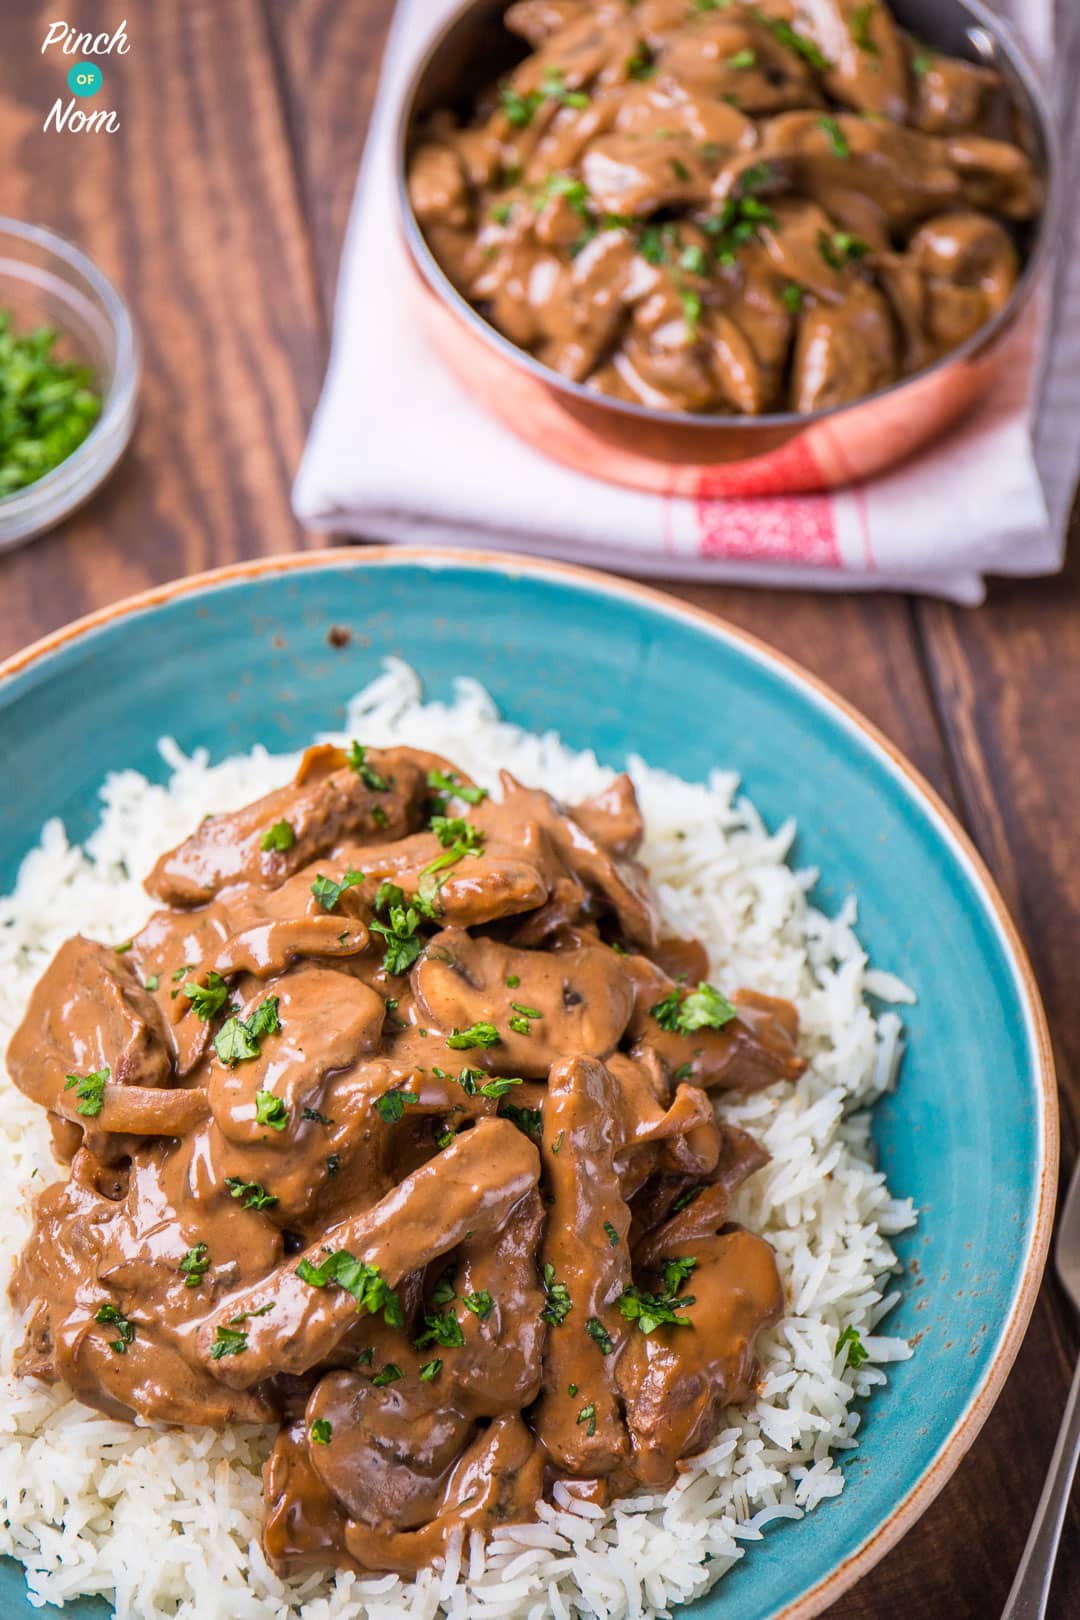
<point x="84" y="79"/>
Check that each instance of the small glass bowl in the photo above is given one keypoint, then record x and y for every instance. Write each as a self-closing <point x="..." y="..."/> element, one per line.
<point x="46" y="281"/>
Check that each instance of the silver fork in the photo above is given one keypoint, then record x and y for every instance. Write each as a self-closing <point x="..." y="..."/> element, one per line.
<point x="1031" y="1588"/>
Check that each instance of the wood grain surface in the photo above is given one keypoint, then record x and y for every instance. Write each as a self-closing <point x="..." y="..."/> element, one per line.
<point x="219" y="208"/>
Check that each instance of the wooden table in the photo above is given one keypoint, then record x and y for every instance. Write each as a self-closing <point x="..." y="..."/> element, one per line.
<point x="219" y="208"/>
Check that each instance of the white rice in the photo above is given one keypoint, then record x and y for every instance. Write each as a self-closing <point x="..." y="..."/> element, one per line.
<point x="166" y="1522"/>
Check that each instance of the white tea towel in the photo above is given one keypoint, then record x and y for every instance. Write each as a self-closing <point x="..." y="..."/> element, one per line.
<point x="400" y="451"/>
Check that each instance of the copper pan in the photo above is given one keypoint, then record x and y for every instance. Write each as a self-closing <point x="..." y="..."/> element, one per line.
<point x="674" y="452"/>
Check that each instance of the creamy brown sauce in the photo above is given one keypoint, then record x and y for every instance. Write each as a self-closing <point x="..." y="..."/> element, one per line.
<point x="735" y="208"/>
<point x="395" y="1126"/>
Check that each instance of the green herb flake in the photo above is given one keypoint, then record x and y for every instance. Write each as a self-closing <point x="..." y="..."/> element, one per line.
<point x="676" y="1272"/>
<point x="793" y="41"/>
<point x="442" y="1328"/>
<point x="477" y="1035"/>
<point x="327" y="892"/>
<point x="314" y="1115"/>
<point x="861" y="19"/>
<point x="389" y="1375"/>
<point x="587" y="1415"/>
<point x="227" y="1342"/>
<point x="447" y="782"/>
<point x="251" y="1194"/>
<point x="642" y="64"/>
<point x="686" y="1198"/>
<point x="90" y="1089"/>
<point x="518" y="109"/>
<point x="498" y="1088"/>
<point x="553" y="87"/>
<point x="557" y="1145"/>
<point x="108" y="1314"/>
<point x="321" y="1431"/>
<point x="365" y="1283"/>
<point x="392" y="1104"/>
<point x="600" y="1335"/>
<point x="153" y="982"/>
<point x="207" y="999"/>
<point x="793" y="297"/>
<point x="851" y="1341"/>
<point x="742" y="59"/>
<point x="195" y="1265"/>
<point x="529" y="1120"/>
<point x="650" y="1311"/>
<point x="559" y="1304"/>
<point x="612" y="1235"/>
<point x="367" y="773"/>
<point x="480" y="1304"/>
<point x="838" y="144"/>
<point x="270" y="1110"/>
<point x="280" y="837"/>
<point x="840" y="248"/>
<point x="431" y="1370"/>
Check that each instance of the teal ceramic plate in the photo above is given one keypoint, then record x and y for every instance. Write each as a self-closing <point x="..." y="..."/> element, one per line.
<point x="244" y="656"/>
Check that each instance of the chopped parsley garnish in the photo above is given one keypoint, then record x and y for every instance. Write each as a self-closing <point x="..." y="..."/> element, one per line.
<point x="576" y="193"/>
<point x="529" y="1120"/>
<point x="270" y="1110"/>
<point x="399" y="932"/>
<point x="122" y="950"/>
<point x="389" y="1375"/>
<point x="365" y="1283"/>
<point x="333" y="1164"/>
<point x="642" y="65"/>
<point x="252" y="1194"/>
<point x="526" y="1012"/>
<point x="328" y="893"/>
<point x="612" y="1235"/>
<point x="153" y="982"/>
<point x="861" y="18"/>
<point x="599" y="1333"/>
<point x="366" y="1357"/>
<point x="513" y="981"/>
<point x="742" y="59"/>
<point x="238" y="1039"/>
<point x="447" y="782"/>
<point x="480" y="1303"/>
<point x="921" y="64"/>
<point x="367" y="773"/>
<point x="686" y="1198"/>
<point x="109" y="1314"/>
<point x="90" y="1089"/>
<point x="651" y="1311"/>
<point x="280" y="836"/>
<point x="497" y="1088"/>
<point x="314" y="1115"/>
<point x="739" y="221"/>
<point x="392" y="1104"/>
<point x="676" y="1272"/>
<point x="227" y="1342"/>
<point x="207" y="999"/>
<point x="587" y="1415"/>
<point x="793" y="297"/>
<point x="837" y="139"/>
<point x="851" y="1341"/>
<point x="431" y="1370"/>
<point x="321" y="1430"/>
<point x="47" y="405"/>
<point x="554" y="88"/>
<point x="443" y="1328"/>
<point x="451" y="830"/>
<point x="195" y="1265"/>
<point x="691" y="308"/>
<point x="556" y="1146"/>
<point x="517" y="108"/>
<point x="444" y="1139"/>
<point x="756" y="178"/>
<point x="444" y="1290"/>
<point x="840" y="248"/>
<point x="483" y="1035"/>
<point x="703" y="1008"/>
<point x="519" y="1025"/>
<point x="179" y="974"/>
<point x="692" y="259"/>
<point x="559" y="1304"/>
<point x="500" y="213"/>
<point x="787" y="36"/>
<point x="379" y="816"/>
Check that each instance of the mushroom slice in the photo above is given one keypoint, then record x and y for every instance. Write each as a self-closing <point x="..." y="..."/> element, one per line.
<point x="844" y="351"/>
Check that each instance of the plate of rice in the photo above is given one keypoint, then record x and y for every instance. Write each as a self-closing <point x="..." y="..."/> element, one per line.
<point x="909" y="1185"/>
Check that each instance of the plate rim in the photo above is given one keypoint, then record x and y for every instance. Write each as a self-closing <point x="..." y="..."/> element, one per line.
<point x="943" y="1464"/>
